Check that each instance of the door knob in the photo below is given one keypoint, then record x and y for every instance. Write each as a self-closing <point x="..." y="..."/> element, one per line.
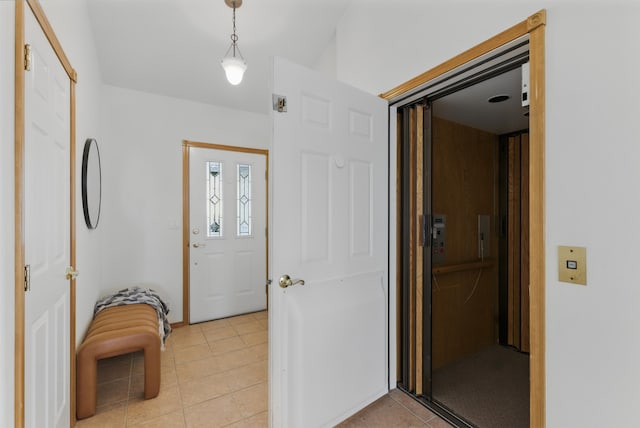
<point x="198" y="245"/>
<point x="286" y="281"/>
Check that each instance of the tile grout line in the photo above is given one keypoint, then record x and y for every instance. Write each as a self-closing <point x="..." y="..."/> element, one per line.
<point x="126" y="407"/>
<point x="182" y="406"/>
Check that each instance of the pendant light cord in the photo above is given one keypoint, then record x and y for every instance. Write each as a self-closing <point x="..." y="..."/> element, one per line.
<point x="234" y="38"/>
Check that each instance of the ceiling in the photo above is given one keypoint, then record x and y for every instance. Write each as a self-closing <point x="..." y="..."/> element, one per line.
<point x="174" y="48"/>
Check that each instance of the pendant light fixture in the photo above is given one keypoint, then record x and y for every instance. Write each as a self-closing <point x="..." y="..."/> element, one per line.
<point x="234" y="66"/>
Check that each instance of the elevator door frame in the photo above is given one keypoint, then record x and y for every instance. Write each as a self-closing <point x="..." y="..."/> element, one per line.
<point x="531" y="29"/>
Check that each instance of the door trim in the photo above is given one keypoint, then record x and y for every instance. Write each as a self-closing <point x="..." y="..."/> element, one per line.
<point x="186" y="145"/>
<point x="534" y="26"/>
<point x="19" y="144"/>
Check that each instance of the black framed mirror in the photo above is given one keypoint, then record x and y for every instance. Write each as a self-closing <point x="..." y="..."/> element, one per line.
<point x="91" y="183"/>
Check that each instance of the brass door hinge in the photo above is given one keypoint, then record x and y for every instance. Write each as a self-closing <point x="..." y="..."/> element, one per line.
<point x="27" y="278"/>
<point x="71" y="273"/>
<point x="279" y="103"/>
<point x="27" y="57"/>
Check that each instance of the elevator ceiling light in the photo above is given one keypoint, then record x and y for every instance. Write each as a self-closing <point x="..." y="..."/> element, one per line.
<point x="498" y="98"/>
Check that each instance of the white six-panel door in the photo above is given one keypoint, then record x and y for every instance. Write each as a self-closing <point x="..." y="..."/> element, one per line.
<point x="328" y="337"/>
<point x="227" y="233"/>
<point x="46" y="229"/>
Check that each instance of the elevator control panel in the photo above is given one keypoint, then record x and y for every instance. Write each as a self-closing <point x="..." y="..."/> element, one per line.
<point x="439" y="236"/>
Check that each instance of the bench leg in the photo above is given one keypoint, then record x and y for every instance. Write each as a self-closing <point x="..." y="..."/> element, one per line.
<point x="151" y="371"/>
<point x="86" y="380"/>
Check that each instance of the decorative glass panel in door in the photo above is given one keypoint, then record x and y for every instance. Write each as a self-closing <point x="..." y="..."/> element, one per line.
<point x="244" y="200"/>
<point x="214" y="198"/>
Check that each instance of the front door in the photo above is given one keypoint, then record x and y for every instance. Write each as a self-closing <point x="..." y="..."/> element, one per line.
<point x="328" y="335"/>
<point x="46" y="231"/>
<point x="227" y="232"/>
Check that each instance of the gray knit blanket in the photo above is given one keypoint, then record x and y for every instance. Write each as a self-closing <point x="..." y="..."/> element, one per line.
<point x="134" y="295"/>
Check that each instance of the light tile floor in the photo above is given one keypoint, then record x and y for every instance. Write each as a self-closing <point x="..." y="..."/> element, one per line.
<point x="214" y="374"/>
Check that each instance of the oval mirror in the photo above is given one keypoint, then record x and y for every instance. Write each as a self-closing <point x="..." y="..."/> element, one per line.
<point x="91" y="183"/>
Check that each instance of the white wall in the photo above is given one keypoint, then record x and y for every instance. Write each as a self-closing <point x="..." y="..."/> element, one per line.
<point x="382" y="44"/>
<point x="7" y="241"/>
<point x="70" y="21"/>
<point x="592" y="173"/>
<point x="142" y="170"/>
<point x="592" y="176"/>
<point x="326" y="62"/>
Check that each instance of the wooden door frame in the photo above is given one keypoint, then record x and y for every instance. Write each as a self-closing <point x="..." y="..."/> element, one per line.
<point x="19" y="249"/>
<point x="186" y="145"/>
<point x="534" y="27"/>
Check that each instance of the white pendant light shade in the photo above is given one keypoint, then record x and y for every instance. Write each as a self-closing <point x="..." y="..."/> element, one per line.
<point x="234" y="68"/>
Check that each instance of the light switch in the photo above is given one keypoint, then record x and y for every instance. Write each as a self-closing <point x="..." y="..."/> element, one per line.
<point x="572" y="265"/>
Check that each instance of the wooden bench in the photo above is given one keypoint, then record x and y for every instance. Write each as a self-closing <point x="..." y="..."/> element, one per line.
<point x="115" y="331"/>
